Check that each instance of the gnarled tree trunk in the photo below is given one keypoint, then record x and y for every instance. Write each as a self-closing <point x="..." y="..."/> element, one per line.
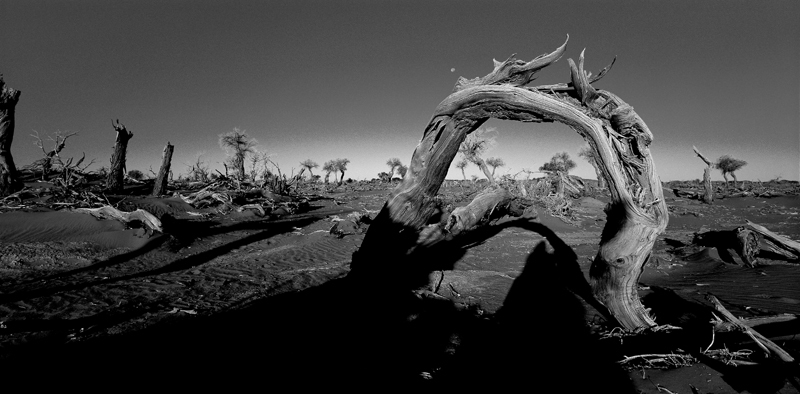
<point x="482" y="165"/>
<point x="708" y="195"/>
<point x="161" y="180"/>
<point x="9" y="179"/>
<point x="116" y="173"/>
<point x="616" y="134"/>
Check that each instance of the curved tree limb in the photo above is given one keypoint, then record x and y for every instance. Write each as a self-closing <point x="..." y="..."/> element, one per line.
<point x="616" y="134"/>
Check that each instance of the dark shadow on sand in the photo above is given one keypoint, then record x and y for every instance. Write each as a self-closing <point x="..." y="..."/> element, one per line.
<point x="364" y="331"/>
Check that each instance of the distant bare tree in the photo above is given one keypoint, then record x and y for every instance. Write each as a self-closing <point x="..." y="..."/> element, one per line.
<point x="309" y="165"/>
<point x="329" y="167"/>
<point x="341" y="166"/>
<point x="237" y="144"/>
<point x="50" y="157"/>
<point x="461" y="165"/>
<point x="587" y="153"/>
<point x="393" y="163"/>
<point x="728" y="165"/>
<point x="708" y="190"/>
<point x="199" y="171"/>
<point x="401" y="170"/>
<point x="495" y="162"/>
<point x="475" y="145"/>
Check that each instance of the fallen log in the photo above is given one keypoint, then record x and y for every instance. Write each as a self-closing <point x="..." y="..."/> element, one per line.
<point x="490" y="204"/>
<point x="741" y="244"/>
<point x="786" y="246"/>
<point x="109" y="212"/>
<point x="764" y="343"/>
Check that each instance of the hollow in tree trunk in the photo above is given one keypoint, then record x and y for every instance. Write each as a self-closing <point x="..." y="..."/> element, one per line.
<point x="116" y="173"/>
<point x="9" y="178"/>
<point x="161" y="180"/>
<point x="617" y="135"/>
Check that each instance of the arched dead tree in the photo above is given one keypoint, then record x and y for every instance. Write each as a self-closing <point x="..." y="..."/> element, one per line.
<point x="116" y="173"/>
<point x="708" y="195"/>
<point x="9" y="178"/>
<point x="616" y="134"/>
<point x="161" y="180"/>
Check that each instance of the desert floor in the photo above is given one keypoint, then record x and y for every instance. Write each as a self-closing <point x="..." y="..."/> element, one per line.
<point x="241" y="300"/>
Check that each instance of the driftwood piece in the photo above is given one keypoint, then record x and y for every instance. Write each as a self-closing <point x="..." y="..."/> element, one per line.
<point x="764" y="343"/>
<point x="708" y="195"/>
<point x="739" y="245"/>
<point x="9" y="177"/>
<point x="617" y="135"/>
<point x="788" y="246"/>
<point x="163" y="174"/>
<point x="109" y="212"/>
<point x="754" y="322"/>
<point x="747" y="246"/>
<point x="116" y="173"/>
<point x="490" y="204"/>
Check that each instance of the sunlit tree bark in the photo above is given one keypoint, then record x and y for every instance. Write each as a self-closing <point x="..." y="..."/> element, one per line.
<point x="620" y="141"/>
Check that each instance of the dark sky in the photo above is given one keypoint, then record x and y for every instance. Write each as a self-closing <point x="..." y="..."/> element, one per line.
<point x="360" y="79"/>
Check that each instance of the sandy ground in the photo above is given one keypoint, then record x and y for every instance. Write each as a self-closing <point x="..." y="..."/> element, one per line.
<point x="240" y="300"/>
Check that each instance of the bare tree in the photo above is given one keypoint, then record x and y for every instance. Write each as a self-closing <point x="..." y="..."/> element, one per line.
<point x="116" y="173"/>
<point x="341" y="166"/>
<point x="329" y="167"/>
<point x="393" y="163"/>
<point x="729" y="165"/>
<point x="475" y="145"/>
<point x="708" y="195"/>
<point x="237" y="144"/>
<point x="461" y="165"/>
<point x="51" y="156"/>
<point x="495" y="162"/>
<point x="309" y="165"/>
<point x="637" y="214"/>
<point x="9" y="178"/>
<point x="199" y="170"/>
<point x="588" y="154"/>
<point x="402" y="170"/>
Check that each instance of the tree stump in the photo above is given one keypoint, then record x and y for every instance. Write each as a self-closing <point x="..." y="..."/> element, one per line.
<point x="617" y="135"/>
<point x="116" y="173"/>
<point x="161" y="180"/>
<point x="9" y="178"/>
<point x="708" y="194"/>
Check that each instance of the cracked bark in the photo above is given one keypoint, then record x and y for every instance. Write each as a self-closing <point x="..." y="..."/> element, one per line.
<point x="9" y="177"/>
<point x="116" y="173"/>
<point x="163" y="173"/>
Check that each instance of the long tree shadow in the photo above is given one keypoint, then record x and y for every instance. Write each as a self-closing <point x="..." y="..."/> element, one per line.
<point x="365" y="331"/>
<point x="177" y="265"/>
